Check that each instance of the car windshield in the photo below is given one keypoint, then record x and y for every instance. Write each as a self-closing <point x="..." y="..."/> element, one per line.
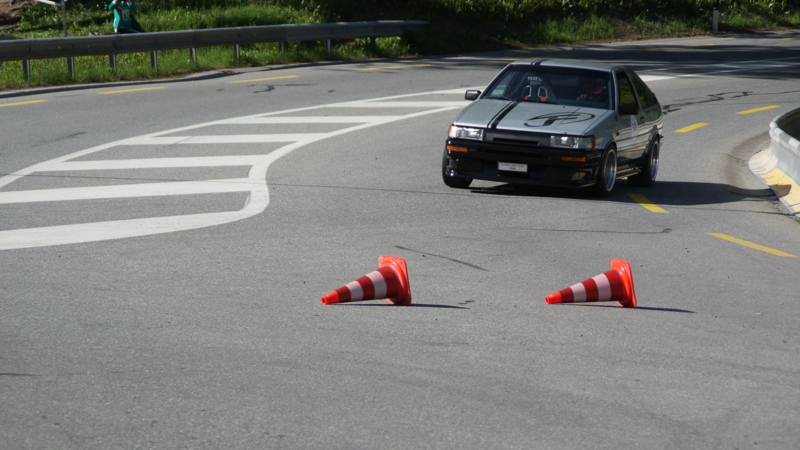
<point x="563" y="86"/>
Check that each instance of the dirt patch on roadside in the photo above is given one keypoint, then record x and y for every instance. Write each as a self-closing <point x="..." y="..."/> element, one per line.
<point x="10" y="12"/>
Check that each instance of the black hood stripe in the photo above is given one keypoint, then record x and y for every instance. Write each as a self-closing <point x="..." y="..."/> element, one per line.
<point x="504" y="112"/>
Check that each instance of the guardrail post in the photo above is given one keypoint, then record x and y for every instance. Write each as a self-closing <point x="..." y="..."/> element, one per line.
<point x="372" y="44"/>
<point x="154" y="61"/>
<point x="112" y="61"/>
<point x="26" y="69"/>
<point x="236" y="52"/>
<point x="283" y="48"/>
<point x="193" y="52"/>
<point x="71" y="66"/>
<point x="715" y="17"/>
<point x="328" y="46"/>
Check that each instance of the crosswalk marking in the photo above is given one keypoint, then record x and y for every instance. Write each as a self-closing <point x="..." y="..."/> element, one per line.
<point x="128" y="191"/>
<point x="225" y="139"/>
<point x="458" y="104"/>
<point x="254" y="185"/>
<point x="155" y="163"/>
<point x="313" y="119"/>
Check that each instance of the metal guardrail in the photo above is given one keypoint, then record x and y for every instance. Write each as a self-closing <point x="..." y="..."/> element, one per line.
<point x="70" y="47"/>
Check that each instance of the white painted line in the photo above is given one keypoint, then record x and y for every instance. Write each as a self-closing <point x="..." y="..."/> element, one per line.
<point x="313" y="119"/>
<point x="225" y="139"/>
<point x="458" y="104"/>
<point x="128" y="191"/>
<point x="155" y="163"/>
<point x="743" y="66"/>
<point x="650" y="78"/>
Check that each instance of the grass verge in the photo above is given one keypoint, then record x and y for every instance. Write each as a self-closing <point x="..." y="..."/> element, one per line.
<point x="455" y="26"/>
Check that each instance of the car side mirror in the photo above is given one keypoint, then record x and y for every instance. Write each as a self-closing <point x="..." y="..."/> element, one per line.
<point x="628" y="108"/>
<point x="472" y="94"/>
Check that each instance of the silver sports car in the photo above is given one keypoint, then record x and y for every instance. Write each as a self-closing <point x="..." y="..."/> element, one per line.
<point x="558" y="122"/>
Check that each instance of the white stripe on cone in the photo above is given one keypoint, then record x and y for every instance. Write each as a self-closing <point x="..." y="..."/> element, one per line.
<point x="603" y="287"/>
<point x="379" y="282"/>
<point x="579" y="292"/>
<point x="356" y="292"/>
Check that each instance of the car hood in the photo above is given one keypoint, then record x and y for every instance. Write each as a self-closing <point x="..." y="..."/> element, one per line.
<point x="505" y="115"/>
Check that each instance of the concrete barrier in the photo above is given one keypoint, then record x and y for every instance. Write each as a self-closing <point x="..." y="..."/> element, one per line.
<point x="779" y="165"/>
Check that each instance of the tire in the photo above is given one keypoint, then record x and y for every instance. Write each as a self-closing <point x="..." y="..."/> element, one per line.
<point x="606" y="174"/>
<point x="649" y="168"/>
<point x="450" y="180"/>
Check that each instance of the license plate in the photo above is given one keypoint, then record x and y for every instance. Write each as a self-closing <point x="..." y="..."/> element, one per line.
<point x="512" y="167"/>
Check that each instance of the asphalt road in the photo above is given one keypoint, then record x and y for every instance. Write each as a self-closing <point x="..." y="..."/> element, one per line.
<point x="164" y="247"/>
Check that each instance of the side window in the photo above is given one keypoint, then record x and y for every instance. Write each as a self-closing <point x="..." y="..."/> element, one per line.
<point x="646" y="96"/>
<point x="499" y="90"/>
<point x="504" y="87"/>
<point x="624" y="89"/>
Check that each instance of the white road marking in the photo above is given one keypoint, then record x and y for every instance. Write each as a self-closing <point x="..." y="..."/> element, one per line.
<point x="225" y="139"/>
<point x="650" y="78"/>
<point x="255" y="184"/>
<point x="128" y="191"/>
<point x="154" y="163"/>
<point x="313" y="119"/>
<point x="371" y="104"/>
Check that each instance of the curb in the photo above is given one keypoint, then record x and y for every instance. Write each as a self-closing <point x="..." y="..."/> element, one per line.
<point x="779" y="165"/>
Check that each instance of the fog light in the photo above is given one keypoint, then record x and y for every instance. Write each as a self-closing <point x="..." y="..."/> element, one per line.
<point x="578" y="176"/>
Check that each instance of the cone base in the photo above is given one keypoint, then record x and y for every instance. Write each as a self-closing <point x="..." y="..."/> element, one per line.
<point x="398" y="265"/>
<point x="629" y="295"/>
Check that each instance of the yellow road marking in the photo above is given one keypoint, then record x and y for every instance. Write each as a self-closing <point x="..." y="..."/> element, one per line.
<point x="133" y="90"/>
<point x="691" y="127"/>
<point x="399" y="67"/>
<point x="771" y="251"/>
<point x="758" y="109"/>
<point x="23" y="103"/>
<point x="652" y="207"/>
<point x="265" y="79"/>
<point x="788" y="39"/>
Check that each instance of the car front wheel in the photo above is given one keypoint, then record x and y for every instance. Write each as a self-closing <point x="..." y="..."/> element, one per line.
<point x="450" y="180"/>
<point x="606" y="174"/>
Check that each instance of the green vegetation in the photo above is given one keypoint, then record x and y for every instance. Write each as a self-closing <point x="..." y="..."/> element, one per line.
<point x="455" y="26"/>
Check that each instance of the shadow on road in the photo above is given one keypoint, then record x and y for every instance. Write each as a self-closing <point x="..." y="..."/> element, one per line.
<point x="646" y="308"/>
<point x="413" y="305"/>
<point x="663" y="193"/>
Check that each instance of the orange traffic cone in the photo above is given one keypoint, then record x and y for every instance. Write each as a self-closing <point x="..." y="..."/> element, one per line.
<point x="616" y="284"/>
<point x="390" y="281"/>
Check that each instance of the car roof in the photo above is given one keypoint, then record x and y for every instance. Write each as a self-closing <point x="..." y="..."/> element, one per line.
<point x="569" y="63"/>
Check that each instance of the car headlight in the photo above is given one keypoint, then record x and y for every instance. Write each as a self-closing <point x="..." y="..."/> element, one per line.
<point x="574" y="142"/>
<point x="456" y="132"/>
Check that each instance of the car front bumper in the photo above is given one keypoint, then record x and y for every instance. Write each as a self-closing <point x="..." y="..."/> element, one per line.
<point x="543" y="166"/>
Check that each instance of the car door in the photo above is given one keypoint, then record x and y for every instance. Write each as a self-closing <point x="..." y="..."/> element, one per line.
<point x="650" y="113"/>
<point x="628" y="147"/>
